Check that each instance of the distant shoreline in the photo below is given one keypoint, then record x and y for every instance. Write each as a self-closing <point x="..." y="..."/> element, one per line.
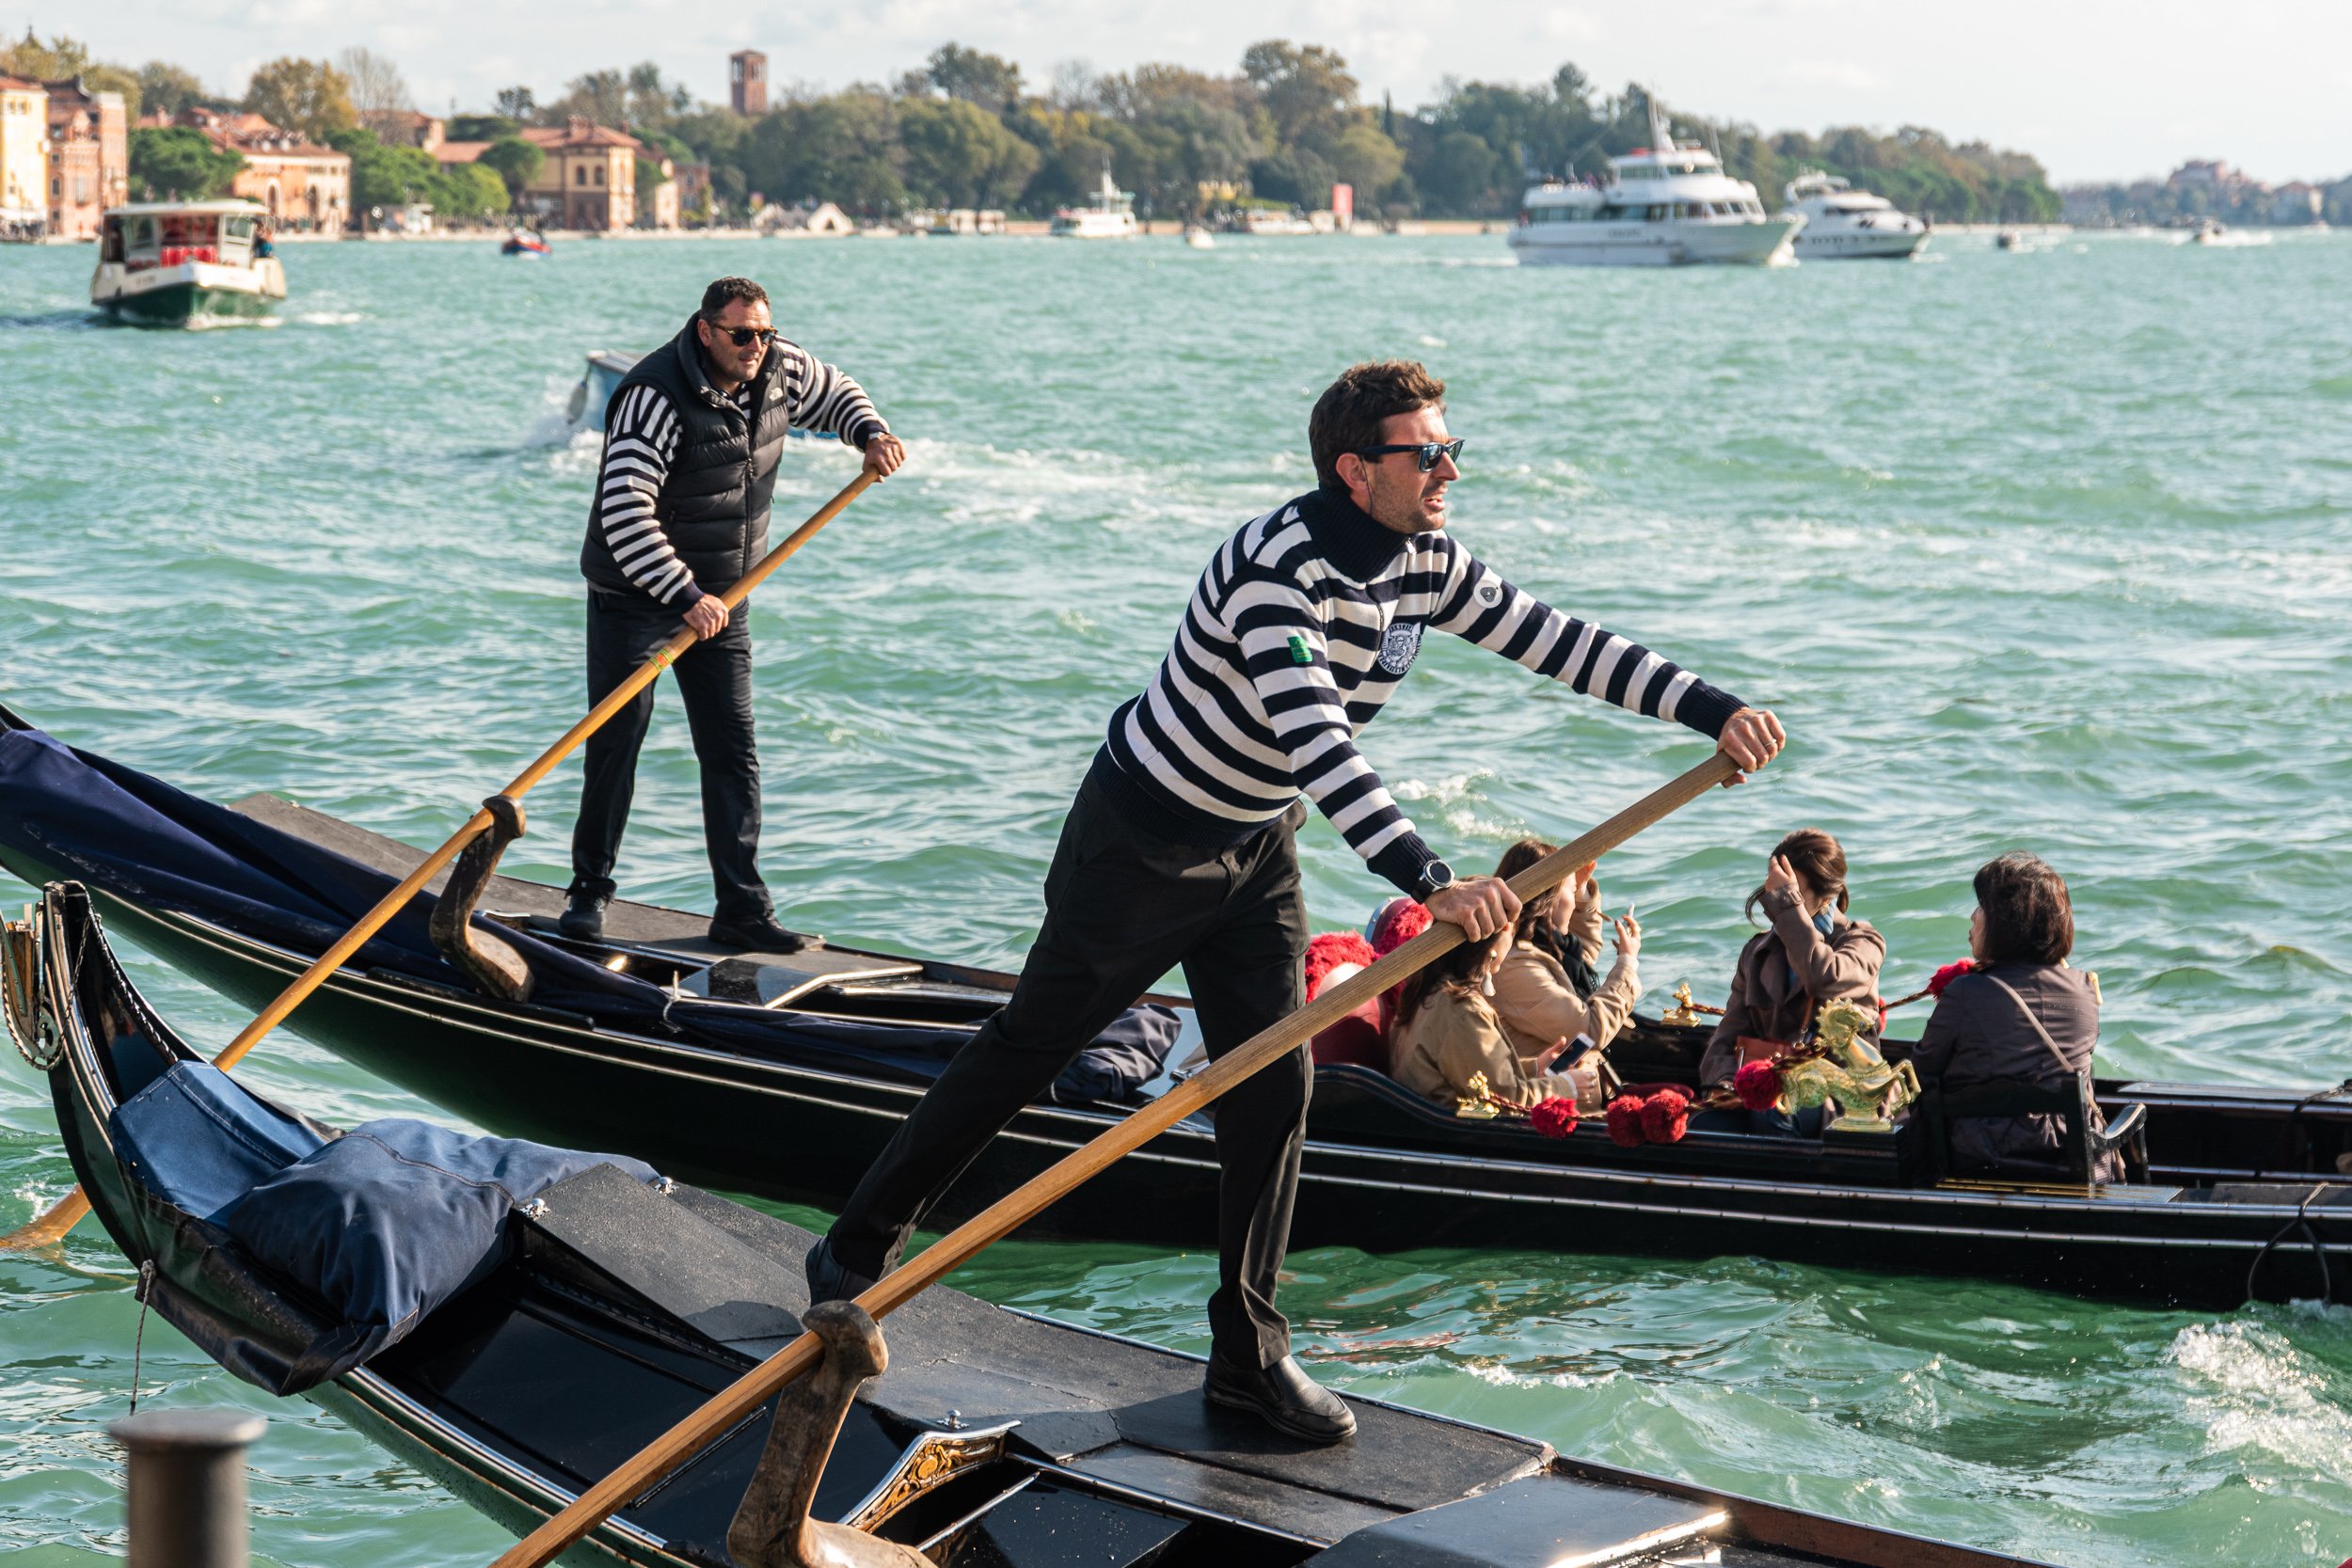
<point x="1026" y="227"/>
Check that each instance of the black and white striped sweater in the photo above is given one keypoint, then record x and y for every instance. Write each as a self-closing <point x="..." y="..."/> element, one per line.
<point x="641" y="441"/>
<point x="1300" y="630"/>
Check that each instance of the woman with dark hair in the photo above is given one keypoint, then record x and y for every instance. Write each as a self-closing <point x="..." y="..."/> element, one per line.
<point x="1447" y="1032"/>
<point x="2019" y="1015"/>
<point x="1812" y="954"/>
<point x="1536" y="993"/>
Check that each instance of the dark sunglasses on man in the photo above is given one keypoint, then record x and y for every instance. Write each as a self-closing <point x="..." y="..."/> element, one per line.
<point x="743" y="337"/>
<point x="1425" y="453"/>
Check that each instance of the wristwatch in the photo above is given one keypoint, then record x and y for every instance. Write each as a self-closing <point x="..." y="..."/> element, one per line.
<point x="1436" y="878"/>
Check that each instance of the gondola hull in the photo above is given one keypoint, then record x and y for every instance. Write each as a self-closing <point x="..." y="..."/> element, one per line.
<point x="616" y="1305"/>
<point x="2245" y="1198"/>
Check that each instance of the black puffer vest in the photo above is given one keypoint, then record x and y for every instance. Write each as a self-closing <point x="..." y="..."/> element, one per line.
<point x="714" y="505"/>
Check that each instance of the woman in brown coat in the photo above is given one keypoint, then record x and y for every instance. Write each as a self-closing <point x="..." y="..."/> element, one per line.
<point x="2021" y="1015"/>
<point x="1535" y="994"/>
<point x="1813" y="953"/>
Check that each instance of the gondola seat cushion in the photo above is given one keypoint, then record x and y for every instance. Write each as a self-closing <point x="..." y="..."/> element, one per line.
<point x="195" y="1139"/>
<point x="397" y="1217"/>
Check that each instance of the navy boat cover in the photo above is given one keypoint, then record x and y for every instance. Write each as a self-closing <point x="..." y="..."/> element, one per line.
<point x="75" y="815"/>
<point x="372" y="1229"/>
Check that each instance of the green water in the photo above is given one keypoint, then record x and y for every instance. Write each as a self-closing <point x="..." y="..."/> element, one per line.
<point x="2044" y="549"/>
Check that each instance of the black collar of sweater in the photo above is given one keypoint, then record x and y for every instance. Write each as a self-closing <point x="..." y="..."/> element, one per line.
<point x="1348" y="536"/>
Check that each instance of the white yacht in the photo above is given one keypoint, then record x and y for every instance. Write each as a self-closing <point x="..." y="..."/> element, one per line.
<point x="1663" y="205"/>
<point x="1111" y="215"/>
<point x="1841" y="222"/>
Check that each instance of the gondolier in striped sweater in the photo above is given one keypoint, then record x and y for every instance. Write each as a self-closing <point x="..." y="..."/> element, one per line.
<point x="1179" y="849"/>
<point x="692" y="439"/>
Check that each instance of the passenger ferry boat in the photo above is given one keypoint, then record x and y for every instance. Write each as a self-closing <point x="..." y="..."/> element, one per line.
<point x="1842" y="223"/>
<point x="1663" y="205"/>
<point x="186" y="263"/>
<point x="1112" y="215"/>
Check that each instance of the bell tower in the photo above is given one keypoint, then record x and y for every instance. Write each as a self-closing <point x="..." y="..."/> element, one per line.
<point x="747" y="82"/>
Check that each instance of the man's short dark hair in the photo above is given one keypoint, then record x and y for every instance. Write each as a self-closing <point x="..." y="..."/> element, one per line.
<point x="2028" y="915"/>
<point x="1348" y="416"/>
<point x="726" y="292"/>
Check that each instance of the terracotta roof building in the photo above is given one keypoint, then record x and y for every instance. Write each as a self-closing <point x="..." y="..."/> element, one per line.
<point x="304" y="186"/>
<point x="89" y="157"/>
<point x="588" y="178"/>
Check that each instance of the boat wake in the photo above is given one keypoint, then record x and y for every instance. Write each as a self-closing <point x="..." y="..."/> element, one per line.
<point x="2262" y="1392"/>
<point x="331" y="318"/>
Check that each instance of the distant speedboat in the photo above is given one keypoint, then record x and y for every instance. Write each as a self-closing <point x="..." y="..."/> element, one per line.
<point x="2214" y="233"/>
<point x="1199" y="238"/>
<point x="1109" y="215"/>
<point x="1664" y="205"/>
<point x="1267" y="220"/>
<point x="2006" y="240"/>
<point x="521" y="244"/>
<point x="186" y="263"/>
<point x="1842" y="223"/>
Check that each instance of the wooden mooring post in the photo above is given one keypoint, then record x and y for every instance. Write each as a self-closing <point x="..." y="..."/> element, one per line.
<point x="187" y="1486"/>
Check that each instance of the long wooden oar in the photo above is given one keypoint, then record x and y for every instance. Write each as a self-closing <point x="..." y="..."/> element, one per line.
<point x="61" y="1217"/>
<point x="679" y="1443"/>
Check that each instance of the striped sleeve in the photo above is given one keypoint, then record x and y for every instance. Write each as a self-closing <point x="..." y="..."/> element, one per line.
<point x="825" y="397"/>
<point x="640" y="440"/>
<point x="1476" y="604"/>
<point x="1280" y="636"/>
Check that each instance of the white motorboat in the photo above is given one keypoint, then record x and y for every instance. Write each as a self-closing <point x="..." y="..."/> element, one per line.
<point x="1199" y="239"/>
<point x="1269" y="220"/>
<point x="2213" y="231"/>
<point x="1663" y="205"/>
<point x="1109" y="215"/>
<point x="186" y="263"/>
<point x="1842" y="223"/>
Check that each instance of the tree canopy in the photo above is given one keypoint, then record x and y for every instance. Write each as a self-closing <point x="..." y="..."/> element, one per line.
<point x="310" y="97"/>
<point x="178" y="163"/>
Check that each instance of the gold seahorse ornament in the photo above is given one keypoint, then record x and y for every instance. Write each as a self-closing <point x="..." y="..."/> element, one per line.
<point x="1851" y="1071"/>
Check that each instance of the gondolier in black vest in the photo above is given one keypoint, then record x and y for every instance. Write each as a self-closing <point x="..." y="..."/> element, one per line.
<point x="692" y="437"/>
<point x="1179" y="849"/>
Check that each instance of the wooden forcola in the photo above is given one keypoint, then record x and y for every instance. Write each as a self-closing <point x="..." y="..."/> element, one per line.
<point x="52" y="1226"/>
<point x="734" y="1403"/>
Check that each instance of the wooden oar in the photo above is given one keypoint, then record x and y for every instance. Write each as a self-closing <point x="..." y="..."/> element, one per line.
<point x="679" y="1443"/>
<point x="61" y="1217"/>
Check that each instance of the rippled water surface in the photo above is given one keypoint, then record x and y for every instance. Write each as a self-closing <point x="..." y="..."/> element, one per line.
<point x="2043" y="549"/>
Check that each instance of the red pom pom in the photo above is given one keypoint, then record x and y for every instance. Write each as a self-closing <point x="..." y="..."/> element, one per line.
<point x="1400" y="920"/>
<point x="1949" y="972"/>
<point x="1624" y="1117"/>
<point x="1553" y="1116"/>
<point x="1332" y="950"/>
<point x="1665" y="1116"/>
<point x="1758" y="1085"/>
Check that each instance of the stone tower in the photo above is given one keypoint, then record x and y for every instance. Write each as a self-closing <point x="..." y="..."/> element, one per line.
<point x="747" y="82"/>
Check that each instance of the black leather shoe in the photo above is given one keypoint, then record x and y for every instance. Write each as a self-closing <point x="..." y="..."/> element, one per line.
<point x="1283" y="1397"/>
<point x="760" y="934"/>
<point x="583" y="918"/>
<point x="828" y="1278"/>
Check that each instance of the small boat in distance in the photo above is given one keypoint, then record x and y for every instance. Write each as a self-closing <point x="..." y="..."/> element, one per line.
<point x="1842" y="223"/>
<point x="186" y="263"/>
<point x="1109" y="215"/>
<point x="2213" y="231"/>
<point x="1199" y="238"/>
<point x="524" y="242"/>
<point x="1664" y="205"/>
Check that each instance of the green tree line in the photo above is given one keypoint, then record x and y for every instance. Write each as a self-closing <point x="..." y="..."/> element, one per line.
<point x="966" y="130"/>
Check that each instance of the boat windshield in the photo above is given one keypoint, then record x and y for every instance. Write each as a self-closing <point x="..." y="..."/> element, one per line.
<point x="188" y="237"/>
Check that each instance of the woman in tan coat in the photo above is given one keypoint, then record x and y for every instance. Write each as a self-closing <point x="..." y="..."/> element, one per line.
<point x="1447" y="1032"/>
<point x="1535" y="996"/>
<point x="1813" y="953"/>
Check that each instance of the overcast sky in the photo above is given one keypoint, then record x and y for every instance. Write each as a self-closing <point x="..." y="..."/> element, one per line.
<point x="2099" y="90"/>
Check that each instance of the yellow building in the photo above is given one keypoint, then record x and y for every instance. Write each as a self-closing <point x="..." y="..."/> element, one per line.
<point x="24" y="154"/>
<point x="587" y="178"/>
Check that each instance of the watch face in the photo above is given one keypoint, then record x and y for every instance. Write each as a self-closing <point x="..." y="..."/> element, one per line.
<point x="1437" y="876"/>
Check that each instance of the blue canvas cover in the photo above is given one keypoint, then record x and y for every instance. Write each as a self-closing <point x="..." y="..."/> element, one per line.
<point x="394" y="1218"/>
<point x="371" y="1230"/>
<point x="73" y="813"/>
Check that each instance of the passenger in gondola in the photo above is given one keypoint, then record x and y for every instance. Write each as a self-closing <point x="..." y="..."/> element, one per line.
<point x="2021" y="1014"/>
<point x="1812" y="953"/>
<point x="1537" y="994"/>
<point x="1448" y="1032"/>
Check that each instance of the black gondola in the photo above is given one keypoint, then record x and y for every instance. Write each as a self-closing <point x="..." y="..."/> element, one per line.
<point x="609" y="1305"/>
<point x="821" y="1053"/>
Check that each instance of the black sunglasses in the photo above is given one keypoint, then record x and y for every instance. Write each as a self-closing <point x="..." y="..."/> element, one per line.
<point x="743" y="337"/>
<point x="1425" y="453"/>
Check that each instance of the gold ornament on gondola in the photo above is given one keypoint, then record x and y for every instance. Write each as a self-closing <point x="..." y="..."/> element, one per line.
<point x="1476" y="1100"/>
<point x="1849" y="1069"/>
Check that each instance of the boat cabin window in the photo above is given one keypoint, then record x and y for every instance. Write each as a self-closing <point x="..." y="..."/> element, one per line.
<point x="110" y="241"/>
<point x="188" y="237"/>
<point x="236" y="239"/>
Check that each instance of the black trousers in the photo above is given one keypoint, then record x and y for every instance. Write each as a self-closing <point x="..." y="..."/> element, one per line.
<point x="1122" y="907"/>
<point x="714" y="678"/>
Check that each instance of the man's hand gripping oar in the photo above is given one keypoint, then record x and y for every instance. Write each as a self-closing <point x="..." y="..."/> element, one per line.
<point x="756" y="1388"/>
<point x="52" y="1226"/>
